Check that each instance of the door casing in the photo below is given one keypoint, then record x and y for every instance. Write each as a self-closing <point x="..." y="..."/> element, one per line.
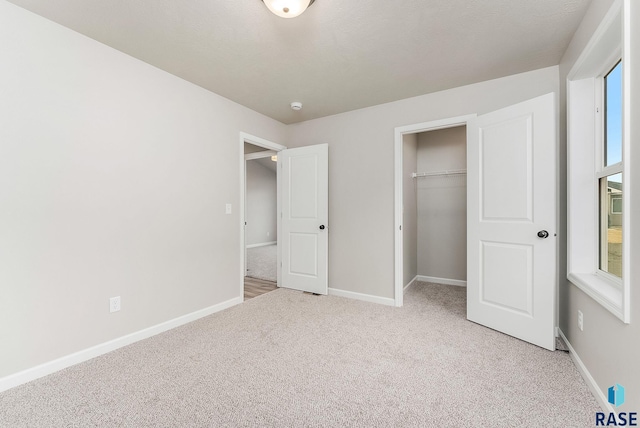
<point x="261" y="142"/>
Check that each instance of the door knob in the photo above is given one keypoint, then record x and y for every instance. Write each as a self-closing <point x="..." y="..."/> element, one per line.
<point x="543" y="234"/>
<point x="322" y="227"/>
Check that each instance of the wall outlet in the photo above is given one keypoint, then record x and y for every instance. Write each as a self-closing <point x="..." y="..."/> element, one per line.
<point x="580" y="321"/>
<point x="114" y="304"/>
<point x="227" y="209"/>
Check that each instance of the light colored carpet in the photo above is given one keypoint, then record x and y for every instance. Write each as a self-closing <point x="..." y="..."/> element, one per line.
<point x="262" y="262"/>
<point x="288" y="359"/>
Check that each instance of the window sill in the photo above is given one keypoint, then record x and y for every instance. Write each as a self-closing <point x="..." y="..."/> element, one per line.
<point x="606" y="292"/>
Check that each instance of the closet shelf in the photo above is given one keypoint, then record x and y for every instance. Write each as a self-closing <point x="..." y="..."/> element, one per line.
<point x="439" y="173"/>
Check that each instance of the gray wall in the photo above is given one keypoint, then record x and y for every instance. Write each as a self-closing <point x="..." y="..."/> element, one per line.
<point x="261" y="203"/>
<point x="609" y="348"/>
<point x="410" y="210"/>
<point x="114" y="177"/>
<point x="442" y="204"/>
<point x="361" y="160"/>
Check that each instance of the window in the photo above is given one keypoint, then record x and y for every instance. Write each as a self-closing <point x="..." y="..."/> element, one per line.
<point x="609" y="173"/>
<point x="613" y="116"/>
<point x="597" y="140"/>
<point x="611" y="225"/>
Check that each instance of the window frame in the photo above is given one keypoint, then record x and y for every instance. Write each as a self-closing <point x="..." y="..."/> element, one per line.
<point x="602" y="170"/>
<point x="586" y="166"/>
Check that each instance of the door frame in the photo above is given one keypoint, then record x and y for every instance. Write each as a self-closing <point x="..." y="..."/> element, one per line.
<point x="273" y="147"/>
<point x="398" y="195"/>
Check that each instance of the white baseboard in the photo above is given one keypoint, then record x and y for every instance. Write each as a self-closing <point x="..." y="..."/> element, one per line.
<point x="364" y="297"/>
<point x="445" y="281"/>
<point x="50" y="367"/>
<point x="410" y="284"/>
<point x="262" y="244"/>
<point x="584" y="372"/>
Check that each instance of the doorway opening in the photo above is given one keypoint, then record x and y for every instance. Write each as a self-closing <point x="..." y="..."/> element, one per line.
<point x="259" y="220"/>
<point x="431" y="204"/>
<point x="434" y="207"/>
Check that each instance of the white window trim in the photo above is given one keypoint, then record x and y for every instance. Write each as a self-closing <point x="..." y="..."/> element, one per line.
<point x="584" y="135"/>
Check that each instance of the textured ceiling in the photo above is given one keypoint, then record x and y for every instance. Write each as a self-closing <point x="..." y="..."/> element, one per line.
<point x="339" y="55"/>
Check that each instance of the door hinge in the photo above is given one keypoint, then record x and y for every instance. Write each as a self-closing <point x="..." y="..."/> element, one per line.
<point x="400" y="227"/>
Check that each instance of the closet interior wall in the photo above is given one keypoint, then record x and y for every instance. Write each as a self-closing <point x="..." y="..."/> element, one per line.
<point x="409" y="208"/>
<point x="441" y="204"/>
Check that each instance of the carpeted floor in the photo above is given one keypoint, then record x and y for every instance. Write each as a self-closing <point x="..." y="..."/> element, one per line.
<point x="262" y="262"/>
<point x="289" y="359"/>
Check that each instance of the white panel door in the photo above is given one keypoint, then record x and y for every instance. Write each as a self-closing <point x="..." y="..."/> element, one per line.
<point x="511" y="191"/>
<point x="304" y="204"/>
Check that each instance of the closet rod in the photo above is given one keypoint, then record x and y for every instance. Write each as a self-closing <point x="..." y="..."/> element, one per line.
<point x="434" y="174"/>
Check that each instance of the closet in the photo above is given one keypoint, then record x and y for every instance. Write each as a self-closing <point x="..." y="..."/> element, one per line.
<point x="435" y="206"/>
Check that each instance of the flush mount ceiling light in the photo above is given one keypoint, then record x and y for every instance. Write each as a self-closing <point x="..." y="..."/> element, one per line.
<point x="288" y="8"/>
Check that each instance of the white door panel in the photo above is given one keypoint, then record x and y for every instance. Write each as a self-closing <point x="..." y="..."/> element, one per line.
<point x="505" y="150"/>
<point x="511" y="284"/>
<point x="509" y="289"/>
<point x="304" y="203"/>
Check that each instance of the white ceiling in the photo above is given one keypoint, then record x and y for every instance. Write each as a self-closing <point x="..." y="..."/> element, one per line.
<point x="339" y="55"/>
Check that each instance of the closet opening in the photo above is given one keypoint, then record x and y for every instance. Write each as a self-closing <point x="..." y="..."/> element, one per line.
<point x="435" y="207"/>
<point x="431" y="205"/>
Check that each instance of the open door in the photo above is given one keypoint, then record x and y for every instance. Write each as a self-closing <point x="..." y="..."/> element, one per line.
<point x="304" y="186"/>
<point x="511" y="164"/>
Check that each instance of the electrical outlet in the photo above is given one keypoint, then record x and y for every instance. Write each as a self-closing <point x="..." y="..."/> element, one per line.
<point x="580" y="321"/>
<point x="114" y="304"/>
<point x="227" y="209"/>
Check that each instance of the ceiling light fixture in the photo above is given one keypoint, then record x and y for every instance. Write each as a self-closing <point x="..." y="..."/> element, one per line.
<point x="288" y="8"/>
